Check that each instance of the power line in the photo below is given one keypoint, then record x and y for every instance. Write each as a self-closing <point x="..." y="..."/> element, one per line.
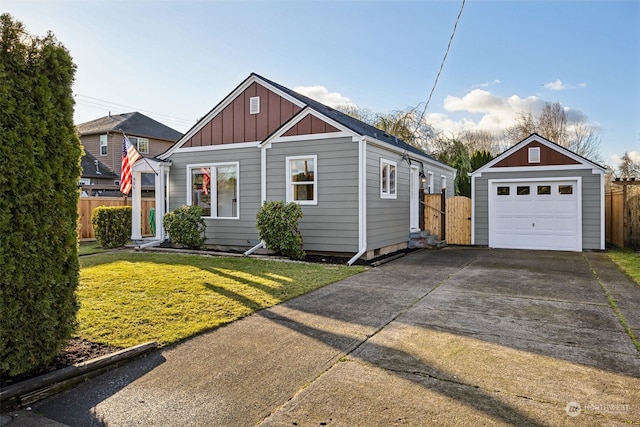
<point x="435" y="83"/>
<point x="92" y="102"/>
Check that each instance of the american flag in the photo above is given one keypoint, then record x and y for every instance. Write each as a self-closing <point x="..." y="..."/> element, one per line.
<point x="129" y="156"/>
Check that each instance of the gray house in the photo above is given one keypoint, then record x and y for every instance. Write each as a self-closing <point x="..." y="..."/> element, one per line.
<point x="358" y="186"/>
<point x="538" y="195"/>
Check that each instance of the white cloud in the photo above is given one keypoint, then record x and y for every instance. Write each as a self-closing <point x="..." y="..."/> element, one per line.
<point x="616" y="160"/>
<point x="557" y="85"/>
<point x="481" y="110"/>
<point x="491" y="83"/>
<point x="321" y="94"/>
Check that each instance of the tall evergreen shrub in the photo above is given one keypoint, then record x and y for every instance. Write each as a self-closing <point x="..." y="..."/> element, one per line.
<point x="39" y="171"/>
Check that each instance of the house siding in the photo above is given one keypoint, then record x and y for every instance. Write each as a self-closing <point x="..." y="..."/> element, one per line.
<point x="591" y="202"/>
<point x="332" y="224"/>
<point x="242" y="232"/>
<point x="113" y="159"/>
<point x="387" y="219"/>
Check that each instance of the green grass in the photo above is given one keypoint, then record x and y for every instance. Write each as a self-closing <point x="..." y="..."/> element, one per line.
<point x="628" y="260"/>
<point x="129" y="298"/>
<point x="89" y="248"/>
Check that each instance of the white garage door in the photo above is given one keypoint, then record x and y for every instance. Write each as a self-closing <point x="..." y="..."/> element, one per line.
<point x="535" y="215"/>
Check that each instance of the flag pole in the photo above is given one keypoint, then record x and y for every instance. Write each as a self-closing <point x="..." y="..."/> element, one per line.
<point x="143" y="157"/>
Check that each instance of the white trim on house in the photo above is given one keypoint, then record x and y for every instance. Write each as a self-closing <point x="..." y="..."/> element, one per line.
<point x="583" y="162"/>
<point x="217" y="147"/>
<point x="277" y="136"/>
<point x="290" y="184"/>
<point x="536" y="169"/>
<point x="191" y="166"/>
<point x="386" y="190"/>
<point x="362" y="200"/>
<point x="531" y="181"/>
<point x="222" y="105"/>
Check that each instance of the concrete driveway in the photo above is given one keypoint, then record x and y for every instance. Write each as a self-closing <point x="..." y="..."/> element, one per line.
<point x="449" y="337"/>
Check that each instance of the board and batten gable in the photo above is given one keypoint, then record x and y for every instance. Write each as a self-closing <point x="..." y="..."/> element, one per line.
<point x="538" y="160"/>
<point x="223" y="232"/>
<point x="331" y="225"/>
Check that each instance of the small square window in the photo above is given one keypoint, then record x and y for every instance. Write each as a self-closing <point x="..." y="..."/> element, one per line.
<point x="544" y="189"/>
<point x="523" y="190"/>
<point x="565" y="189"/>
<point x="503" y="191"/>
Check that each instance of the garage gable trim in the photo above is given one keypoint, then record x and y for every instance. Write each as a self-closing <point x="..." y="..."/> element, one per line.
<point x="580" y="162"/>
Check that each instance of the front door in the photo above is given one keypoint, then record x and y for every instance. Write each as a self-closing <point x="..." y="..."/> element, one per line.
<point x="414" y="199"/>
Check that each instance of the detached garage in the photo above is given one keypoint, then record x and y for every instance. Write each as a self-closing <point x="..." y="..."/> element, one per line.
<point x="538" y="195"/>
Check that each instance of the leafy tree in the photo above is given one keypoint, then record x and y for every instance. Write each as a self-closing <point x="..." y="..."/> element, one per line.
<point x="39" y="172"/>
<point x="479" y="159"/>
<point x="454" y="153"/>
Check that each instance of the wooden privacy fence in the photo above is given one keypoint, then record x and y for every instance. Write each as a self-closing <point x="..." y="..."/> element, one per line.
<point x="456" y="218"/>
<point x="622" y="219"/>
<point x="86" y="205"/>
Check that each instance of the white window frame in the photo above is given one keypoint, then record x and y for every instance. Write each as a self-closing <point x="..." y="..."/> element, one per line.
<point x="136" y="143"/>
<point x="291" y="184"/>
<point x="386" y="192"/>
<point x="214" y="202"/>
<point x="254" y="105"/>
<point x="534" y="155"/>
<point x="104" y="144"/>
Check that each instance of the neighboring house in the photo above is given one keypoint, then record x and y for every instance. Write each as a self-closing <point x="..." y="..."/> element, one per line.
<point x="102" y="138"/>
<point x="538" y="195"/>
<point x="96" y="178"/>
<point x="358" y="186"/>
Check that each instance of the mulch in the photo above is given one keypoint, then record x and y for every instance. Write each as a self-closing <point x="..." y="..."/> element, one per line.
<point x="76" y="351"/>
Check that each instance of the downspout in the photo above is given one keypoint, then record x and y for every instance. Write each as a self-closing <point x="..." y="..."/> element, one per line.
<point x="263" y="192"/>
<point x="362" y="200"/>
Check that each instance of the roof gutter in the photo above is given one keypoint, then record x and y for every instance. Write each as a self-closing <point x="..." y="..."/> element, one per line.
<point x="362" y="200"/>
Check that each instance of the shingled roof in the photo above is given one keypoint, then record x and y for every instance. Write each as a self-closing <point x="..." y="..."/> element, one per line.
<point x="352" y="123"/>
<point x="89" y="168"/>
<point x="130" y="123"/>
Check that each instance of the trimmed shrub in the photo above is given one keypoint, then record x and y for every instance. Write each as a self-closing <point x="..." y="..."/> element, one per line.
<point x="277" y="224"/>
<point x="185" y="226"/>
<point x="39" y="172"/>
<point x="111" y="225"/>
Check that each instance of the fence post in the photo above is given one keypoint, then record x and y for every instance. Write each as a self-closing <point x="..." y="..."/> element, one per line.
<point x="443" y="215"/>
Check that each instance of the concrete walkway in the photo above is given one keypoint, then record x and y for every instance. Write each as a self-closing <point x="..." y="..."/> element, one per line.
<point x="450" y="337"/>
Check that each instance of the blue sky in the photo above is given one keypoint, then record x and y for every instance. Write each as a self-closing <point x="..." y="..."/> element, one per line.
<point x="175" y="60"/>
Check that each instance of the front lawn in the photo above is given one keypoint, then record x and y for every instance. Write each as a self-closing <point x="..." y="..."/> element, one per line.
<point x="628" y="260"/>
<point x="127" y="298"/>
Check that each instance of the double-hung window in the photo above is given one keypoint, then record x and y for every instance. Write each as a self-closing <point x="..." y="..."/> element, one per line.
<point x="104" y="144"/>
<point x="302" y="179"/>
<point x="215" y="188"/>
<point x="388" y="179"/>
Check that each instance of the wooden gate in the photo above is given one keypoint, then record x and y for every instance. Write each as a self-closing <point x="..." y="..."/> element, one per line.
<point x="457" y="218"/>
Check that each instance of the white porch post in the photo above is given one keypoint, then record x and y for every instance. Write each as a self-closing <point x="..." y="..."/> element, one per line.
<point x="160" y="182"/>
<point x="136" y="206"/>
